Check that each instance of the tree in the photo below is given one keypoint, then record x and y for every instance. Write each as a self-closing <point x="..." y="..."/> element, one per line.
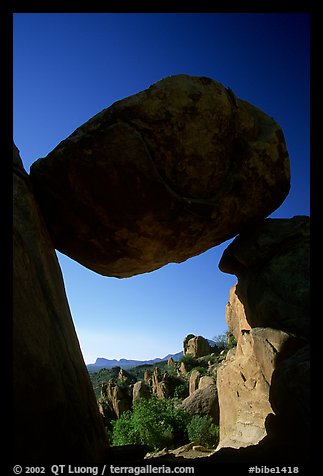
<point x="156" y="423"/>
<point x="225" y="341"/>
<point x="203" y="431"/>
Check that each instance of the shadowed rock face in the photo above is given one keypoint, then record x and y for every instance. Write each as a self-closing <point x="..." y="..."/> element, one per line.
<point x="271" y="261"/>
<point x="161" y="176"/>
<point x="55" y="412"/>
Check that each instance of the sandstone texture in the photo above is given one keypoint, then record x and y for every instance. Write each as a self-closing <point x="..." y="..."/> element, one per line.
<point x="161" y="176"/>
<point x="263" y="385"/>
<point x="116" y="398"/>
<point x="243" y="394"/>
<point x="162" y="384"/>
<point x="203" y="401"/>
<point x="54" y="408"/>
<point x="196" y="346"/>
<point x="194" y="381"/>
<point x="244" y="378"/>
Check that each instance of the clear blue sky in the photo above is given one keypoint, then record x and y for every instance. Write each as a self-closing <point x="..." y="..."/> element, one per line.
<point x="68" y="67"/>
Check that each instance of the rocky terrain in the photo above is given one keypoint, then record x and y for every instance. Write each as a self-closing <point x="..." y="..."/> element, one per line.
<point x="157" y="178"/>
<point x="195" y="377"/>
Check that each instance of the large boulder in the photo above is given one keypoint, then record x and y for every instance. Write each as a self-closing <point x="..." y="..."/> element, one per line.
<point x="204" y="401"/>
<point x="271" y="261"/>
<point x="161" y="176"/>
<point x="196" y="346"/>
<point x="54" y="408"/>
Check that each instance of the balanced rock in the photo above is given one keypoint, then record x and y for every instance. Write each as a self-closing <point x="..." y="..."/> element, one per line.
<point x="161" y="176"/>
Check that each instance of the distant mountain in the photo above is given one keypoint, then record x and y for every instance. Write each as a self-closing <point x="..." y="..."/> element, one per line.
<point x="127" y="364"/>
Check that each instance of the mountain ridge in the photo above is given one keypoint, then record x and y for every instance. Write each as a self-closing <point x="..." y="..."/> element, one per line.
<point x="101" y="362"/>
<point x="128" y="363"/>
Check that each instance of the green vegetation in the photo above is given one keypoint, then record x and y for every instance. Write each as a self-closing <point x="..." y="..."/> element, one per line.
<point x="203" y="431"/>
<point x="182" y="390"/>
<point x="189" y="361"/>
<point x="162" y="424"/>
<point x="225" y="341"/>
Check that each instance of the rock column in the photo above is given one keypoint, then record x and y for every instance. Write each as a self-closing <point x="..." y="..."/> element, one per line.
<point x="56" y="419"/>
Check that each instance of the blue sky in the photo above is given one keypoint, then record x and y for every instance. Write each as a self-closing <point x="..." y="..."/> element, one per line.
<point x="68" y="67"/>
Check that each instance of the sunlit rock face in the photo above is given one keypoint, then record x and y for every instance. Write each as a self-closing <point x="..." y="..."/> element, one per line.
<point x="263" y="386"/>
<point x="161" y="176"/>
<point x="55" y="416"/>
<point x="196" y="346"/>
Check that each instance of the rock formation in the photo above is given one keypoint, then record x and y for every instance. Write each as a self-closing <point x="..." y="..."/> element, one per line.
<point x="140" y="390"/>
<point x="147" y="376"/>
<point x="203" y="401"/>
<point x="171" y="362"/>
<point x="157" y="178"/>
<point x="55" y="412"/>
<point x="194" y="381"/>
<point x="196" y="346"/>
<point x="271" y="261"/>
<point x="116" y="396"/>
<point x="160" y="176"/>
<point x="163" y="385"/>
<point x="264" y="386"/>
<point x="243" y="396"/>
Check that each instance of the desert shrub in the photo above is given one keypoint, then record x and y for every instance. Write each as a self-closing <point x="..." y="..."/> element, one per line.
<point x="202" y="370"/>
<point x="171" y="370"/>
<point x="203" y="431"/>
<point x="190" y="362"/>
<point x="220" y="341"/>
<point x="182" y="390"/>
<point x="225" y="341"/>
<point x="156" y="423"/>
<point x="124" y="431"/>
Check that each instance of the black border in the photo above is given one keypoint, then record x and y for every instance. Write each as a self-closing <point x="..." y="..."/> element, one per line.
<point x="163" y="6"/>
